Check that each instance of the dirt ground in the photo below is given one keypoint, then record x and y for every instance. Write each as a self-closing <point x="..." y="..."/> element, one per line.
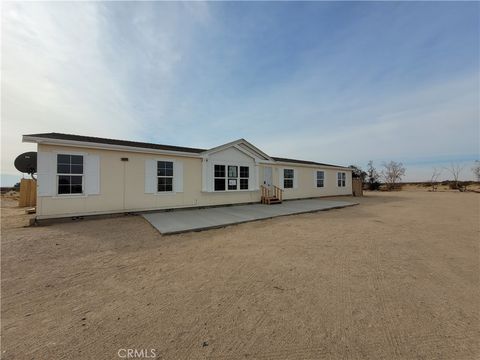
<point x="396" y="277"/>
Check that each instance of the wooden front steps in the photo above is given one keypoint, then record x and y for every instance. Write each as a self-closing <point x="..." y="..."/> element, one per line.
<point x="271" y="196"/>
<point x="272" y="200"/>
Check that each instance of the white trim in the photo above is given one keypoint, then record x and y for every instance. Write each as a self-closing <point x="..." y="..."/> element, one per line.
<point x="173" y="192"/>
<point x="230" y="192"/>
<point x="57" y="174"/>
<point x="63" y="152"/>
<point x="250" y="178"/>
<point x="315" y="178"/>
<point x="293" y="179"/>
<point x="343" y="180"/>
<point x="70" y="195"/>
<point x="67" y="196"/>
<point x="244" y="151"/>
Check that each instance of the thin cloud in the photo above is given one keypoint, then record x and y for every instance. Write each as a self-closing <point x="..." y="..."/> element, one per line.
<point x="323" y="81"/>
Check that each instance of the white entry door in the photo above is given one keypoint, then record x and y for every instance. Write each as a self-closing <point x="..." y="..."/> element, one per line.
<point x="267" y="177"/>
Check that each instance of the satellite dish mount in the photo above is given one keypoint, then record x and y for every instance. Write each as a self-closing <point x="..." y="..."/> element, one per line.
<point x="27" y="163"/>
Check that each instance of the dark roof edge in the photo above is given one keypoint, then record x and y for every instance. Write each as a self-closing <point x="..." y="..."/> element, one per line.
<point x="98" y="140"/>
<point x="306" y="162"/>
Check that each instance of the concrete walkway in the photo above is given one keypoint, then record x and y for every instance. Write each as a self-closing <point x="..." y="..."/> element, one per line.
<point x="178" y="221"/>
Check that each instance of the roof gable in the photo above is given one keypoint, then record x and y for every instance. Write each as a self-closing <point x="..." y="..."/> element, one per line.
<point x="243" y="146"/>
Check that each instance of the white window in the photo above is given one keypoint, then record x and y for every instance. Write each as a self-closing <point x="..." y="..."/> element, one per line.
<point x="164" y="176"/>
<point x="69" y="174"/>
<point x="288" y="175"/>
<point x="230" y="177"/>
<point x="219" y="178"/>
<point x="341" y="176"/>
<point x="244" y="175"/>
<point x="320" y="179"/>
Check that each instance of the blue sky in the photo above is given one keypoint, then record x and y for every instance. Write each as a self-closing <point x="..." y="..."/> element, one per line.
<point x="334" y="82"/>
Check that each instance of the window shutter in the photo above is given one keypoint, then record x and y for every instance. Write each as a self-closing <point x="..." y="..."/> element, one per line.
<point x="92" y="174"/>
<point x="46" y="173"/>
<point x="314" y="178"/>
<point x="295" y="178"/>
<point x="178" y="176"/>
<point x="150" y="176"/>
<point x="280" y="178"/>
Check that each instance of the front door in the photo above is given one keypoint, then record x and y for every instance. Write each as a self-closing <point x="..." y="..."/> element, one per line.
<point x="267" y="178"/>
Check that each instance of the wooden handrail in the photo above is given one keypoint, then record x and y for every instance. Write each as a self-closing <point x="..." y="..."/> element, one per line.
<point x="264" y="190"/>
<point x="270" y="194"/>
<point x="278" y="192"/>
<point x="264" y="194"/>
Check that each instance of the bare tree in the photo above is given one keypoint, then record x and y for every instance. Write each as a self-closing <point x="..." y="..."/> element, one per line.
<point x="434" y="178"/>
<point x="357" y="172"/>
<point x="455" y="169"/>
<point x="476" y="170"/>
<point x="372" y="177"/>
<point x="392" y="173"/>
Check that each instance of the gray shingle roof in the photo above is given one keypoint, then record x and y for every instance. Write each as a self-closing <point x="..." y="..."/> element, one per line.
<point x="99" y="140"/>
<point x="303" y="162"/>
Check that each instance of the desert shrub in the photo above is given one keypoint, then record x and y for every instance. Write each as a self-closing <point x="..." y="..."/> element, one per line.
<point x="374" y="185"/>
<point x="391" y="187"/>
<point x="452" y="185"/>
<point x="459" y="185"/>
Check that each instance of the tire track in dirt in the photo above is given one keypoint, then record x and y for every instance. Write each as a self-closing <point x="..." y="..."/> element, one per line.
<point x="450" y="325"/>
<point x="426" y="263"/>
<point x="260" y="320"/>
<point x="227" y="303"/>
<point x="390" y="324"/>
<point x="343" y="323"/>
<point x="310" y="353"/>
<point x="238" y="345"/>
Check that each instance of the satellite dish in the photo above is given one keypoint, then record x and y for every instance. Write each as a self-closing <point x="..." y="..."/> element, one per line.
<point x="27" y="162"/>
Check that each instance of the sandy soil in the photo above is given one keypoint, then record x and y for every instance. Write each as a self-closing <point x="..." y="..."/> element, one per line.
<point x="396" y="277"/>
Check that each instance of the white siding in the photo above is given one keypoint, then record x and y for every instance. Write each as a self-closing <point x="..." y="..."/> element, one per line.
<point x="150" y="176"/>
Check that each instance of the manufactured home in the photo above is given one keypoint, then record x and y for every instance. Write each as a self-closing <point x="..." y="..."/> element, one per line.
<point x="83" y="175"/>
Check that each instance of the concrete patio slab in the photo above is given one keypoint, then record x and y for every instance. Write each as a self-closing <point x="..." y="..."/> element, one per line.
<point x="178" y="221"/>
